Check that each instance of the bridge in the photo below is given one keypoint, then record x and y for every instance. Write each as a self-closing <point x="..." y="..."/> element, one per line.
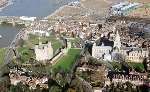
<point x="14" y="20"/>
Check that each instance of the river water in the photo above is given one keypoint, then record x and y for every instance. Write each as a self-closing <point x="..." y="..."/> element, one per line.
<point x="37" y="8"/>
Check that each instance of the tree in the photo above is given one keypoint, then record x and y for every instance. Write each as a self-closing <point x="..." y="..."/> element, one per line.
<point x="112" y="88"/>
<point x="19" y="88"/>
<point x="129" y="87"/>
<point x="55" y="89"/>
<point x="20" y="42"/>
<point x="4" y="78"/>
<point x="145" y="63"/>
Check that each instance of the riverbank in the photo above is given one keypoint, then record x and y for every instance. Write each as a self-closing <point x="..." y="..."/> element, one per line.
<point x="2" y="55"/>
<point x="4" y="4"/>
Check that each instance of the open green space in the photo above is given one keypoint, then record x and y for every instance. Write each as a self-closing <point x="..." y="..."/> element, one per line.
<point x="25" y="54"/>
<point x="66" y="62"/>
<point x="2" y="55"/>
<point x="138" y="66"/>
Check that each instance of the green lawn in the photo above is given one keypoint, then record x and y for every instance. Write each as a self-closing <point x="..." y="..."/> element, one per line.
<point x="67" y="61"/>
<point x="2" y="55"/>
<point x="25" y="53"/>
<point x="136" y="65"/>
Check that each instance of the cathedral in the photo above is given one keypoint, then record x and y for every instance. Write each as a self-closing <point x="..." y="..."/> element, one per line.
<point x="117" y="52"/>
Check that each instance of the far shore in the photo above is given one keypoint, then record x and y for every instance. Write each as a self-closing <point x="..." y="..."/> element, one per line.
<point x="87" y="8"/>
<point x="4" y="4"/>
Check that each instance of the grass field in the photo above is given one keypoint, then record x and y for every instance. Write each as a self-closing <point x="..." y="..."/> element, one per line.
<point x="26" y="54"/>
<point x="136" y="65"/>
<point x="2" y="55"/>
<point x="67" y="61"/>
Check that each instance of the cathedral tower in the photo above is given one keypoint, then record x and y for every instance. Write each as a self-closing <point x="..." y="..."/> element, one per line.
<point x="117" y="42"/>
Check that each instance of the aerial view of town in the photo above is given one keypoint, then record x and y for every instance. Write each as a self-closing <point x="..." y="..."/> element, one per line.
<point x="74" y="45"/>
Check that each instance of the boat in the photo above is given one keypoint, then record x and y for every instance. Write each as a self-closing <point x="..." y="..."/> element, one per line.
<point x="0" y="36"/>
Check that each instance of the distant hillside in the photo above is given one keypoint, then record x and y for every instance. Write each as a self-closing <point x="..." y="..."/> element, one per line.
<point x="90" y="9"/>
<point x="95" y="4"/>
<point x="141" y="1"/>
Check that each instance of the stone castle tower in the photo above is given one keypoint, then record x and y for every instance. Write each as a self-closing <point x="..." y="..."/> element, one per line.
<point x="43" y="52"/>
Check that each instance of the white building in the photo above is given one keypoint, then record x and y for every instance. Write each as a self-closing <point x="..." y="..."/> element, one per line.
<point x="27" y="18"/>
<point x="40" y="33"/>
<point x="43" y="51"/>
<point x="101" y="51"/>
<point x="124" y="7"/>
<point x="119" y="6"/>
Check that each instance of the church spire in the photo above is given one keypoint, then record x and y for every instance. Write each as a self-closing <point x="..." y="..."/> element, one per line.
<point x="117" y="42"/>
<point x="40" y="41"/>
<point x="114" y="28"/>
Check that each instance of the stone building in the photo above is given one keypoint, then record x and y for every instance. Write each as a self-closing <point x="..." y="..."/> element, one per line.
<point x="101" y="51"/>
<point x="130" y="54"/>
<point x="43" y="52"/>
<point x="60" y="27"/>
<point x="40" y="33"/>
<point x="119" y="53"/>
<point x="133" y="77"/>
<point x="133" y="54"/>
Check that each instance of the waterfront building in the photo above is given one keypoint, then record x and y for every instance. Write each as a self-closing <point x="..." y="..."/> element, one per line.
<point x="117" y="7"/>
<point x="123" y="8"/>
<point x="43" y="52"/>
<point x="28" y="18"/>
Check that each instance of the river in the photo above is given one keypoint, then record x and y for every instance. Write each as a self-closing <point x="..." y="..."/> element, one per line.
<point x="37" y="8"/>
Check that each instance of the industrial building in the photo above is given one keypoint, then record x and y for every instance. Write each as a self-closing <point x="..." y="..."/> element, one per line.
<point x="123" y="8"/>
